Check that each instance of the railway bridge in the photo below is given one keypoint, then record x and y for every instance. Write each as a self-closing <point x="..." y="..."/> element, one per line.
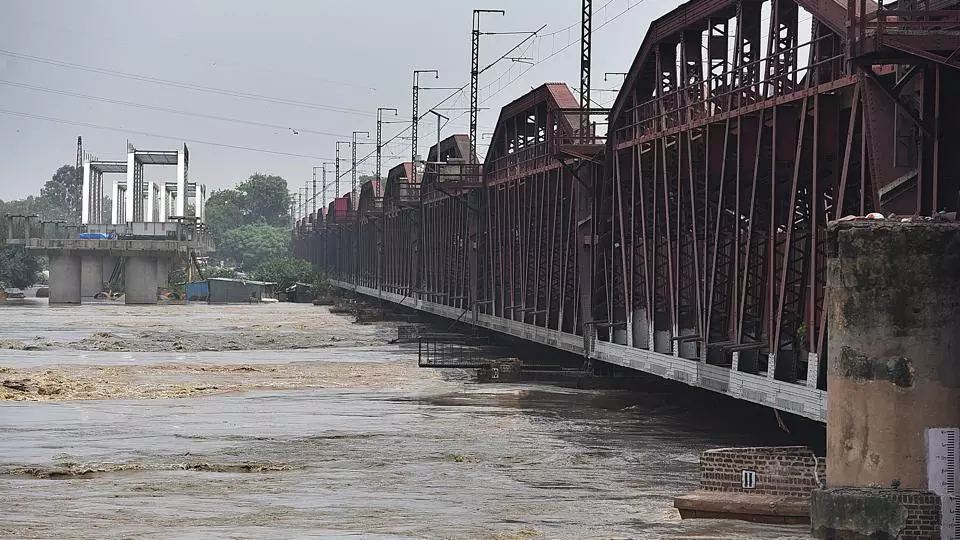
<point x="688" y="238"/>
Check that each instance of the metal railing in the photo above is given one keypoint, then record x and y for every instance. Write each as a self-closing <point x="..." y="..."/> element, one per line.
<point x="21" y="229"/>
<point x="724" y="92"/>
<point x="876" y="17"/>
<point x="441" y="350"/>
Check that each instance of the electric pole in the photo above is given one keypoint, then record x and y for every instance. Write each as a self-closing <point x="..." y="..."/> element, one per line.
<point x="336" y="181"/>
<point x="353" y="180"/>
<point x="306" y="198"/>
<point x="92" y="205"/>
<point x="416" y="117"/>
<point x="585" y="54"/>
<point x="323" y="188"/>
<point x="380" y="144"/>
<point x="323" y="169"/>
<point x="475" y="77"/>
<point x="436" y="158"/>
<point x="314" y="190"/>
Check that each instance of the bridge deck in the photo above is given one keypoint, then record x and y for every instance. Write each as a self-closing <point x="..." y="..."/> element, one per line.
<point x="806" y="401"/>
<point x="690" y="240"/>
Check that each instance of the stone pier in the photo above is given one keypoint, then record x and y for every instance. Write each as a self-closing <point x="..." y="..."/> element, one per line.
<point x="96" y="273"/>
<point x="894" y="338"/>
<point x="81" y="267"/>
<point x="65" y="277"/>
<point x="140" y="280"/>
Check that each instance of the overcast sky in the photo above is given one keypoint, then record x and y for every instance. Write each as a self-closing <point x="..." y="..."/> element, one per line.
<point x="338" y="60"/>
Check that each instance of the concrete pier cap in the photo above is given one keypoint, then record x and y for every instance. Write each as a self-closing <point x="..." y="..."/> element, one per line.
<point x="893" y="293"/>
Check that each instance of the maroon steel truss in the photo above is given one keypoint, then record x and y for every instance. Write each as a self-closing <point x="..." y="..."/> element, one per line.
<point x="696" y="227"/>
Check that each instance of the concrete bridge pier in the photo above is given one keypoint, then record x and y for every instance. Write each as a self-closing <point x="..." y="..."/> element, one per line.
<point x="65" y="277"/>
<point x="163" y="270"/>
<point x="95" y="273"/>
<point x="894" y="381"/>
<point x="641" y="329"/>
<point x="141" y="278"/>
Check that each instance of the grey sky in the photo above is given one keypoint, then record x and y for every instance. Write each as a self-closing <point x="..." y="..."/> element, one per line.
<point x="327" y="53"/>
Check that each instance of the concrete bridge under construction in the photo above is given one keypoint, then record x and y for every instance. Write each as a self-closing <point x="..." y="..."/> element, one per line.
<point x="689" y="240"/>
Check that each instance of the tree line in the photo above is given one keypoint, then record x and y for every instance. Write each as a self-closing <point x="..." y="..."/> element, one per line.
<point x="59" y="200"/>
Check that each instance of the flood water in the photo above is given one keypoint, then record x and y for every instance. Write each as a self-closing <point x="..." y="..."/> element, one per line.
<point x="415" y="454"/>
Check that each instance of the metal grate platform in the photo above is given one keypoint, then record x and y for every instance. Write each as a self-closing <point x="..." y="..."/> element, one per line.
<point x="449" y="350"/>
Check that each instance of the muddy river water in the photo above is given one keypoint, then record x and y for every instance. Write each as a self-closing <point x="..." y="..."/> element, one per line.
<point x="109" y="430"/>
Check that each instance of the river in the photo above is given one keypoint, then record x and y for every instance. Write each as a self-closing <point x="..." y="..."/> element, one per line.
<point x="344" y="441"/>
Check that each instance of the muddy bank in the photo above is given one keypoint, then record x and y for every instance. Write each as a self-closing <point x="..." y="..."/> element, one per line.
<point x="180" y="380"/>
<point x="188" y="328"/>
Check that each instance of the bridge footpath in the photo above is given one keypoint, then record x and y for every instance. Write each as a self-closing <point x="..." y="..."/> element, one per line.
<point x="805" y="401"/>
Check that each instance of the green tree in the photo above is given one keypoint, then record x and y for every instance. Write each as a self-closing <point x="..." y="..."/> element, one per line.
<point x="18" y="268"/>
<point x="259" y="199"/>
<point x="62" y="195"/>
<point x="107" y="210"/>
<point x="265" y="198"/>
<point x="251" y="245"/>
<point x="217" y="272"/>
<point x="285" y="271"/>
<point x="224" y="211"/>
<point x="28" y="206"/>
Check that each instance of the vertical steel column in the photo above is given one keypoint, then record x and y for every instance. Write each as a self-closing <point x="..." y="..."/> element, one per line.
<point x="585" y="55"/>
<point x="353" y="177"/>
<point x="379" y="187"/>
<point x="336" y="180"/>
<point x="475" y="78"/>
<point x="416" y="118"/>
<point x="323" y="172"/>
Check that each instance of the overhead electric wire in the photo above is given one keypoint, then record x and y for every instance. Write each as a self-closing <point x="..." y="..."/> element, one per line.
<point x="146" y="134"/>
<point x="188" y="86"/>
<point x="166" y="110"/>
<point x="554" y="53"/>
<point x="444" y="100"/>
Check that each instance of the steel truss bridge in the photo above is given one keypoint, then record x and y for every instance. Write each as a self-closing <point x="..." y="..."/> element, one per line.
<point x="688" y="241"/>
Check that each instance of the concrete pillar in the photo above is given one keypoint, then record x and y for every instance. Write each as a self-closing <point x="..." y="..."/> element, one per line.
<point x="893" y="293"/>
<point x="151" y="201"/>
<point x="140" y="280"/>
<point x="687" y="349"/>
<point x="163" y="270"/>
<point x="641" y="329"/>
<point x="162" y="203"/>
<point x="661" y="342"/>
<point x="131" y="185"/>
<point x="85" y="196"/>
<point x="91" y="275"/>
<point x="65" y="270"/>
<point x="181" y="183"/>
<point x="620" y="335"/>
<point x="115" y="208"/>
<point x="202" y="203"/>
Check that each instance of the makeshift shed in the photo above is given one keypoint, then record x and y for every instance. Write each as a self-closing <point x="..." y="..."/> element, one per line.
<point x="231" y="291"/>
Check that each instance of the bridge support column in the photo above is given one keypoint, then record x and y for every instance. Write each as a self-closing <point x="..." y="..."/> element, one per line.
<point x="140" y="279"/>
<point x="619" y="335"/>
<point x="163" y="270"/>
<point x="662" y="342"/>
<point x="65" y="277"/>
<point x="641" y="329"/>
<point x="91" y="275"/>
<point x="893" y="292"/>
<point x="687" y="349"/>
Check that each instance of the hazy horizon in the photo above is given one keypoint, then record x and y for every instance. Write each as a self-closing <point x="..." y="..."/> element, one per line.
<point x="291" y="77"/>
